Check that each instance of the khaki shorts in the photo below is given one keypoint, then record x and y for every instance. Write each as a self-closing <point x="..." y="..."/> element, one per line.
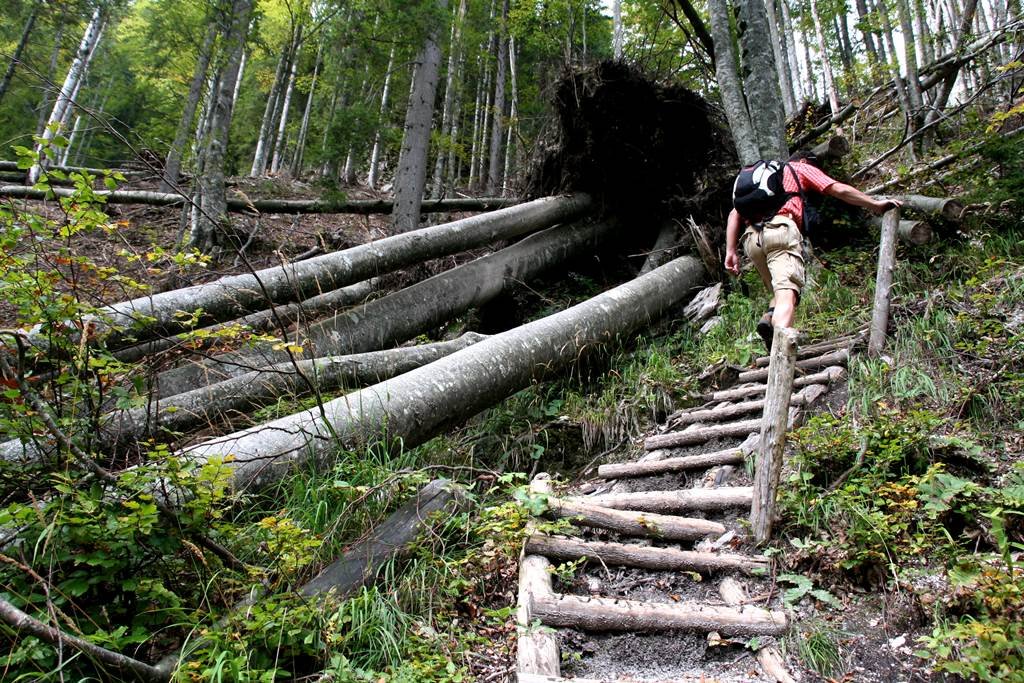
<point x="777" y="253"/>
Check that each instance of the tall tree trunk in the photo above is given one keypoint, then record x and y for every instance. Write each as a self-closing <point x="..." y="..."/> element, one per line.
<point x="729" y="84"/>
<point x="282" y="123"/>
<point x="16" y="57"/>
<point x="793" y="55"/>
<point x="411" y="175"/>
<point x="300" y="144"/>
<point x="910" y="56"/>
<point x="869" y="40"/>
<point x="451" y="81"/>
<point x="945" y="88"/>
<point x="76" y="74"/>
<point x="172" y="166"/>
<point x="207" y="235"/>
<point x="259" y="161"/>
<point x="51" y="72"/>
<point x="385" y="91"/>
<point x="501" y="75"/>
<point x="826" y="63"/>
<point x="617" y="29"/>
<point x="477" y="116"/>
<point x="238" y="79"/>
<point x="779" y="48"/>
<point x="894" y="68"/>
<point x="511" y="145"/>
<point x="761" y="79"/>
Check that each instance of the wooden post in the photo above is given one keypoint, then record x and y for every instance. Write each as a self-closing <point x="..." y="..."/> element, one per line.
<point x="773" y="432"/>
<point x="883" y="281"/>
<point x="537" y="651"/>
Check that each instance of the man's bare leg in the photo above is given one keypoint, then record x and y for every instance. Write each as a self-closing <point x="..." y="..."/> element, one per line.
<point x="785" y="307"/>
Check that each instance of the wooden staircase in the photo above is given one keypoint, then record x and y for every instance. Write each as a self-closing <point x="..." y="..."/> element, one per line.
<point x="691" y="525"/>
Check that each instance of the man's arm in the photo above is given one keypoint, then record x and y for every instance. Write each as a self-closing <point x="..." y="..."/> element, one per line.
<point x="855" y="197"/>
<point x="732" y="237"/>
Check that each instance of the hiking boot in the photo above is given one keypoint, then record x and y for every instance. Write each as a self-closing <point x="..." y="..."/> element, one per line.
<point x="765" y="329"/>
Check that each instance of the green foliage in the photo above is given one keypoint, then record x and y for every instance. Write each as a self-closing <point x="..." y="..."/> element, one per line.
<point x="818" y="648"/>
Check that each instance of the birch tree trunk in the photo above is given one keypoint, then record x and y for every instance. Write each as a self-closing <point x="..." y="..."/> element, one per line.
<point x="513" y="122"/>
<point x="417" y="405"/>
<point x="412" y="164"/>
<point x="207" y="233"/>
<point x="826" y="63"/>
<point x="20" y="49"/>
<point x="454" y="163"/>
<point x="259" y="160"/>
<point x="501" y="75"/>
<point x="910" y="57"/>
<point x="729" y="83"/>
<point x="761" y="79"/>
<point x="375" y="154"/>
<point x="76" y="74"/>
<point x="172" y="166"/>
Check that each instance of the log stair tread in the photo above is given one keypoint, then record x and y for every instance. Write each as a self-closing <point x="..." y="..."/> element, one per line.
<point x="660" y="516"/>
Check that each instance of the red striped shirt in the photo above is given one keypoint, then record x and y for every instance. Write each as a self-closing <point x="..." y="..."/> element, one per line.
<point x="811" y="178"/>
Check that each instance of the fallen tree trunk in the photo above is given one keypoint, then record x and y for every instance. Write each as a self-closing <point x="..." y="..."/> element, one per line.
<point x="603" y="614"/>
<point x="186" y="412"/>
<point x="258" y="206"/>
<point x="261" y="321"/>
<point x="914" y="233"/>
<point x="945" y="207"/>
<point x="12" y="166"/>
<point x="646" y="557"/>
<point x="236" y="295"/>
<point x="419" y="404"/>
<point x="411" y="311"/>
<point x="360" y="564"/>
<point x="845" y="113"/>
<point x="833" y="149"/>
<point x="668" y="527"/>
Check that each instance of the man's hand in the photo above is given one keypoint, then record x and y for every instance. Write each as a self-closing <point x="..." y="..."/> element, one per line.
<point x="732" y="262"/>
<point x="883" y="205"/>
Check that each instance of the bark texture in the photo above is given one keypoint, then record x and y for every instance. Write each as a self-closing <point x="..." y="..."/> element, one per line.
<point x="411" y="176"/>
<point x="419" y="404"/>
<point x="416" y="309"/>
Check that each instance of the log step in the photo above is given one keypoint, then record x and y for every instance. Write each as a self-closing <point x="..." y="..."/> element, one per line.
<point x="829" y="375"/>
<point x="536" y="678"/>
<point x="681" y="500"/>
<point x="726" y="412"/>
<point x="729" y="456"/>
<point x="702" y="435"/>
<point x="646" y="557"/>
<point x="811" y="350"/>
<point x="606" y="614"/>
<point x="668" y="527"/>
<point x="840" y="357"/>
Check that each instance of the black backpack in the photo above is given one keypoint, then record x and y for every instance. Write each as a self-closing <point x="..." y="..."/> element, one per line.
<point x="758" y="192"/>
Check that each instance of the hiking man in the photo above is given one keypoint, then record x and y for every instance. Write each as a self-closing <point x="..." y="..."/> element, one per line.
<point x="769" y="202"/>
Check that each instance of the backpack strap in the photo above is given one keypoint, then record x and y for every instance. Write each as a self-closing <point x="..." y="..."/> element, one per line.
<point x="799" y="192"/>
